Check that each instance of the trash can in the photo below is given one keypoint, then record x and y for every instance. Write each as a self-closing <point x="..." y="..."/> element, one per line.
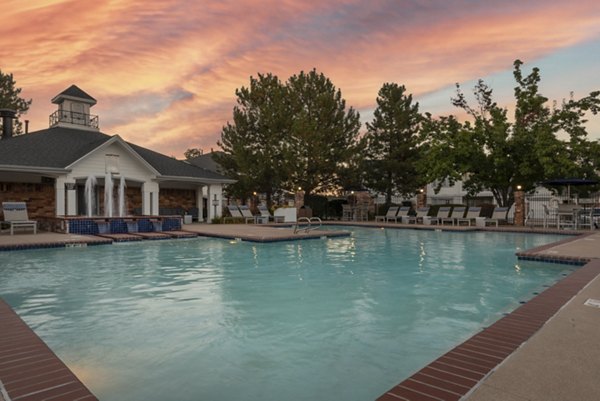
<point x="187" y="219"/>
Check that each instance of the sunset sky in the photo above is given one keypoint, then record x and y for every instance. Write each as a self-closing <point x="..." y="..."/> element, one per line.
<point x="164" y="73"/>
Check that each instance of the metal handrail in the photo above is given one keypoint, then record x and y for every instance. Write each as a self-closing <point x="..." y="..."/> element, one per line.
<point x="309" y="222"/>
<point x="73" y="117"/>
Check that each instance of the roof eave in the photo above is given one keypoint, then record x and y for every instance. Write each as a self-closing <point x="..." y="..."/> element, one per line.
<point x="199" y="180"/>
<point x="33" y="169"/>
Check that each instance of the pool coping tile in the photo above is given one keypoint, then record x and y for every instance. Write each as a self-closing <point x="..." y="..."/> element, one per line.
<point x="29" y="369"/>
<point x="501" y="339"/>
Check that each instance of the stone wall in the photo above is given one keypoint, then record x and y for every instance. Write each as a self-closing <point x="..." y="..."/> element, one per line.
<point x="177" y="198"/>
<point x="38" y="197"/>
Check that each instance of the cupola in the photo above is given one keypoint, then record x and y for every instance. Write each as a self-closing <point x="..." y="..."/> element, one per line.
<point x="74" y="110"/>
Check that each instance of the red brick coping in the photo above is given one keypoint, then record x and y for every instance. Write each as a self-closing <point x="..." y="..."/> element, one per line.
<point x="456" y="373"/>
<point x="29" y="370"/>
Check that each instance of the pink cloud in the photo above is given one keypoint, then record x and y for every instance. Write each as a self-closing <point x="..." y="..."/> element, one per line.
<point x="135" y="57"/>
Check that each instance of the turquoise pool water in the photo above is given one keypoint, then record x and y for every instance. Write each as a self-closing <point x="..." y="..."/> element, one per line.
<point x="210" y="319"/>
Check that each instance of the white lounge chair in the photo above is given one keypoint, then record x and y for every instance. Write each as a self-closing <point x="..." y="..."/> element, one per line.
<point x="471" y="216"/>
<point x="391" y="214"/>
<point x="15" y="215"/>
<point x="235" y="213"/>
<point x="442" y="214"/>
<point x="498" y="216"/>
<point x="265" y="215"/>
<point x="457" y="213"/>
<point x="247" y="214"/>
<point x="421" y="214"/>
<point x="402" y="214"/>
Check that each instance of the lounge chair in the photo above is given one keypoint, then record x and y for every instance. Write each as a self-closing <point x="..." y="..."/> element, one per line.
<point x="265" y="215"/>
<point x="498" y="216"/>
<point x="457" y="213"/>
<point x="15" y="215"/>
<point x="391" y="214"/>
<point x="422" y="212"/>
<point x="443" y="213"/>
<point x="247" y="214"/>
<point x="402" y="214"/>
<point x="235" y="213"/>
<point x="471" y="216"/>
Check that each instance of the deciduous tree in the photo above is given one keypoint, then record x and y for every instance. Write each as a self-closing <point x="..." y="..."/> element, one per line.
<point x="491" y="152"/>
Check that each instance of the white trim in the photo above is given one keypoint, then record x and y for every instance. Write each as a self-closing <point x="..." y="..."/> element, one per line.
<point x="195" y="179"/>
<point x="33" y="169"/>
<point x="118" y="139"/>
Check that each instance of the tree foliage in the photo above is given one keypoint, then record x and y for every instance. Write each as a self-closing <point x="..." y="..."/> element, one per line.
<point x="285" y="136"/>
<point x="491" y="152"/>
<point x="254" y="144"/>
<point x="393" y="143"/>
<point x="193" y="152"/>
<point x="323" y="134"/>
<point x="10" y="99"/>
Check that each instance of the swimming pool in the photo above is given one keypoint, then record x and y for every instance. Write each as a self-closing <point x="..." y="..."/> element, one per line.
<point x="310" y="320"/>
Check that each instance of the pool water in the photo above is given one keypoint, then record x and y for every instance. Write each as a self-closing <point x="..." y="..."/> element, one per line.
<point x="211" y="319"/>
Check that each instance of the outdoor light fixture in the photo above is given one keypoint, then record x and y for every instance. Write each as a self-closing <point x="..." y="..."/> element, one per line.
<point x="518" y="187"/>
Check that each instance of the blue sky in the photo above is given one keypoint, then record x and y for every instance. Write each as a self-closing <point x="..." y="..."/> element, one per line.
<point x="165" y="73"/>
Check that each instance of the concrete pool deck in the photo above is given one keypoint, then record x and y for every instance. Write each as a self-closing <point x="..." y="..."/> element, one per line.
<point x="545" y="350"/>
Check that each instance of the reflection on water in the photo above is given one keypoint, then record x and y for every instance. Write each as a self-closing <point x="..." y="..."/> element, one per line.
<point x="310" y="320"/>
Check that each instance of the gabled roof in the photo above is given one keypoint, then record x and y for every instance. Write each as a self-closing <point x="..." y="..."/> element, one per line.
<point x="74" y="92"/>
<point x="59" y="147"/>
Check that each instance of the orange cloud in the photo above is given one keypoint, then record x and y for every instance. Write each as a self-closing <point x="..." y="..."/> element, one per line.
<point x="165" y="73"/>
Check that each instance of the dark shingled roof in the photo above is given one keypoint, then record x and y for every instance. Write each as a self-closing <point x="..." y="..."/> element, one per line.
<point x="75" y="91"/>
<point x="206" y="162"/>
<point x="172" y="167"/>
<point x="55" y="147"/>
<point x="58" y="147"/>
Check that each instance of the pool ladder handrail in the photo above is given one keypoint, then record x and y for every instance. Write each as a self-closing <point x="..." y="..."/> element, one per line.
<point x="309" y="226"/>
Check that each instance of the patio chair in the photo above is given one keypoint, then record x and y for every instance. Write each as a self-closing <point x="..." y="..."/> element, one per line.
<point x="235" y="213"/>
<point x="443" y="213"/>
<point x="247" y="214"/>
<point x="422" y="212"/>
<point x="457" y="213"/>
<point x="402" y="214"/>
<point x="472" y="215"/>
<point x="391" y="214"/>
<point x="498" y="215"/>
<point x="15" y="215"/>
<point x="265" y="215"/>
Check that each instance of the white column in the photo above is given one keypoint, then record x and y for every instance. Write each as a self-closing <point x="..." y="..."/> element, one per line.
<point x="59" y="187"/>
<point x="71" y="188"/>
<point x="200" y="202"/>
<point x="150" y="198"/>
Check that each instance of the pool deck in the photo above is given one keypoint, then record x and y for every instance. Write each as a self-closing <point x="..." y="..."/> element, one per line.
<point x="545" y="350"/>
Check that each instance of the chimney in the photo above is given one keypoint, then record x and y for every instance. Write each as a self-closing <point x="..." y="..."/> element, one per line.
<point x="7" y="116"/>
<point x="27" y="126"/>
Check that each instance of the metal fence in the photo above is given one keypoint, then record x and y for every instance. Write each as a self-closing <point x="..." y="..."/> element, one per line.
<point x="542" y="209"/>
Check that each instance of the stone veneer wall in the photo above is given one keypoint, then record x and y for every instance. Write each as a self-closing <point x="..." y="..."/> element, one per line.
<point x="38" y="197"/>
<point x="177" y="198"/>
